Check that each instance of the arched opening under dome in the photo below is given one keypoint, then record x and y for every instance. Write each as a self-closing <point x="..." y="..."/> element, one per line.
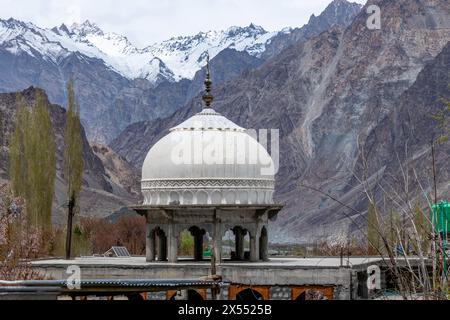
<point x="242" y="241"/>
<point x="196" y="232"/>
<point x="246" y="242"/>
<point x="156" y="244"/>
<point x="193" y="242"/>
<point x="237" y="244"/>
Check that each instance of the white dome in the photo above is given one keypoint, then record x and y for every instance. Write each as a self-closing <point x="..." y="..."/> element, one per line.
<point x="208" y="159"/>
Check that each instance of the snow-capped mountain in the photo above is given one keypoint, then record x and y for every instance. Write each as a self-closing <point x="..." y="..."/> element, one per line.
<point x="186" y="55"/>
<point x="174" y="59"/>
<point x="108" y="69"/>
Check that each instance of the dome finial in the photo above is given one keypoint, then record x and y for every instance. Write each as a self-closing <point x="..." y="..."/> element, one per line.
<point x="208" y="97"/>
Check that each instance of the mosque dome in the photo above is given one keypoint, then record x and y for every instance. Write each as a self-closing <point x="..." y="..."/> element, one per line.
<point x="208" y="159"/>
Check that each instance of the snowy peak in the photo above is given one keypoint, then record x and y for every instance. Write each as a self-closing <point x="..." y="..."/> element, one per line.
<point x="85" y="28"/>
<point x="19" y="37"/>
<point x="15" y="28"/>
<point x="89" y="33"/>
<point x="156" y="69"/>
<point x="63" y="28"/>
<point x="186" y="55"/>
<point x="233" y="35"/>
<point x="251" y="31"/>
<point x="171" y="60"/>
<point x="15" y="24"/>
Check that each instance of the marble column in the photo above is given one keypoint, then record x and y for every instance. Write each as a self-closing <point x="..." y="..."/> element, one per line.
<point x="217" y="239"/>
<point x="198" y="244"/>
<point x="263" y="246"/>
<point x="150" y="244"/>
<point x="254" y="248"/>
<point x="239" y="240"/>
<point x="162" y="246"/>
<point x="173" y="244"/>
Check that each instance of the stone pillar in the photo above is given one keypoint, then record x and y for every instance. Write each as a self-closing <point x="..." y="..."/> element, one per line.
<point x="162" y="246"/>
<point x="173" y="243"/>
<point x="239" y="241"/>
<point x="217" y="238"/>
<point x="150" y="244"/>
<point x="198" y="244"/>
<point x="263" y="245"/>
<point x="254" y="248"/>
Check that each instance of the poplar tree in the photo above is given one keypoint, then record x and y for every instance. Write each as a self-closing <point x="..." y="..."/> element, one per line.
<point x="373" y="229"/>
<point x="42" y="163"/>
<point x="17" y="160"/>
<point x="391" y="229"/>
<point x="73" y="162"/>
<point x="33" y="160"/>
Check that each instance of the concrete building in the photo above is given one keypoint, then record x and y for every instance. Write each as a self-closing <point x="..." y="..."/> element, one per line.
<point x="289" y="278"/>
<point x="277" y="279"/>
<point x="209" y="176"/>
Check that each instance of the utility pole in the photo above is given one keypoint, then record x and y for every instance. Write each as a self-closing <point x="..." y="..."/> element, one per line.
<point x="70" y="214"/>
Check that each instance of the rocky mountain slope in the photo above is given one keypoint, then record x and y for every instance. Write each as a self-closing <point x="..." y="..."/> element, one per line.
<point x="117" y="83"/>
<point x="118" y="170"/>
<point x="103" y="193"/>
<point x="407" y="132"/>
<point x="327" y="96"/>
<point x="398" y="147"/>
<point x="337" y="13"/>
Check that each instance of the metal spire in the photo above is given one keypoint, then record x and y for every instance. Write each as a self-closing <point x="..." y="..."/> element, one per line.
<point x="208" y="97"/>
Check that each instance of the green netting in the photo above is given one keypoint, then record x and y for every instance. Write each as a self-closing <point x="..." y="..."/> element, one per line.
<point x="440" y="215"/>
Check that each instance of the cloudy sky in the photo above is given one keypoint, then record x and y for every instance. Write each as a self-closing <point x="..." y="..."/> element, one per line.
<point x="148" y="21"/>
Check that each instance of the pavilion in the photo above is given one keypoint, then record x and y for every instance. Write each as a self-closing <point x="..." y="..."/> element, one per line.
<point x="208" y="175"/>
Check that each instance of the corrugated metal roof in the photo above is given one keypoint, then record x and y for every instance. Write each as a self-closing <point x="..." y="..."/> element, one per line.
<point x="114" y="283"/>
<point x="103" y="286"/>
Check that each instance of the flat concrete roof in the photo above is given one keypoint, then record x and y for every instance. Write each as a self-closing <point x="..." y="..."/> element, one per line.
<point x="325" y="262"/>
<point x="207" y="206"/>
